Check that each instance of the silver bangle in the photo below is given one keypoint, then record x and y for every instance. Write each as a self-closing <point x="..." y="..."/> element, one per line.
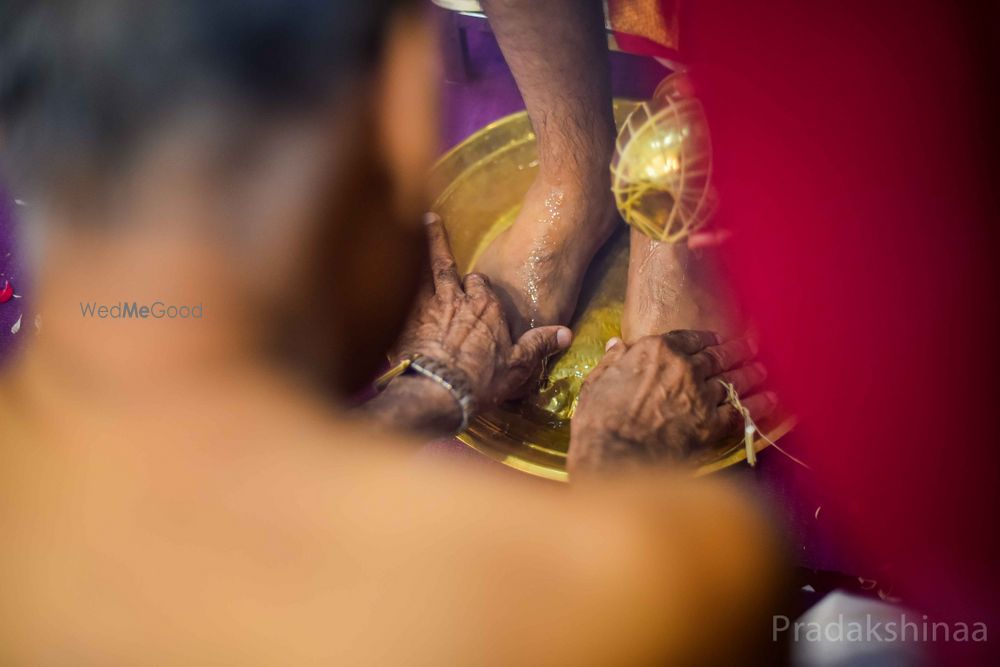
<point x="455" y="381"/>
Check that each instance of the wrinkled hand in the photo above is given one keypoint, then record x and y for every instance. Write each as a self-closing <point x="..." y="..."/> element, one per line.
<point x="660" y="400"/>
<point x="460" y="323"/>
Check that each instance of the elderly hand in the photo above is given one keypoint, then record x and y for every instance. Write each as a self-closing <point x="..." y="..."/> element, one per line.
<point x="660" y="400"/>
<point x="460" y="323"/>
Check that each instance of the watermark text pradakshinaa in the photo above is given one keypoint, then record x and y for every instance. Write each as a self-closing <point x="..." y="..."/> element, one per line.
<point x="871" y="628"/>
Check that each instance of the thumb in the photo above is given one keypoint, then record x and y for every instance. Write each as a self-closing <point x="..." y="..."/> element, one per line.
<point x="536" y="344"/>
<point x="530" y="352"/>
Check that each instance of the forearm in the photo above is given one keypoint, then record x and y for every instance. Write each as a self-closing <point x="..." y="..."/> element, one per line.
<point x="416" y="405"/>
<point x="557" y="51"/>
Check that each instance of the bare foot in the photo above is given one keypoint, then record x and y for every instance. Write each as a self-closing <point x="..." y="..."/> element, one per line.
<point x="537" y="265"/>
<point x="672" y="287"/>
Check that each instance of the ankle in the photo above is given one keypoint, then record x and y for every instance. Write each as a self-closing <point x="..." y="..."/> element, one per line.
<point x="585" y="160"/>
<point x="585" y="178"/>
<point x="583" y="188"/>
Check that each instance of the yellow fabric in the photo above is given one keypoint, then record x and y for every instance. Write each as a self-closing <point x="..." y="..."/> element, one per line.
<point x="655" y="20"/>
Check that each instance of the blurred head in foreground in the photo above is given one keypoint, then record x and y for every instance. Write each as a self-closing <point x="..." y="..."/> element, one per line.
<point x="283" y="141"/>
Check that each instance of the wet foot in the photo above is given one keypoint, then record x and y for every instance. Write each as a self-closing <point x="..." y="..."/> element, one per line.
<point x="537" y="265"/>
<point x="672" y="287"/>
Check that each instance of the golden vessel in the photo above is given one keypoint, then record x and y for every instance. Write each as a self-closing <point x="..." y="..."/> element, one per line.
<point x="662" y="166"/>
<point x="478" y="187"/>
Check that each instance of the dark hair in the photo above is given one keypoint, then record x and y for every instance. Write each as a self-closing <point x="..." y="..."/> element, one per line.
<point x="81" y="81"/>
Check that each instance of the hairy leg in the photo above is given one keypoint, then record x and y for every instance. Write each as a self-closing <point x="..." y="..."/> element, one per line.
<point x="557" y="51"/>
<point x="672" y="287"/>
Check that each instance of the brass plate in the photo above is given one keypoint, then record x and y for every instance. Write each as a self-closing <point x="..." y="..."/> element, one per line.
<point x="478" y="186"/>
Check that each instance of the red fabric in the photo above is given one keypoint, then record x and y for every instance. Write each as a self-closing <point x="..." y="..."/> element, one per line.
<point x="852" y="149"/>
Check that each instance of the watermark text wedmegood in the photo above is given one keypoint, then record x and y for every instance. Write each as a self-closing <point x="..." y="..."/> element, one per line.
<point x="133" y="310"/>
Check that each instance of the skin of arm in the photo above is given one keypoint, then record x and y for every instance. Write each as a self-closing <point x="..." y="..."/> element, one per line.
<point x="417" y="405"/>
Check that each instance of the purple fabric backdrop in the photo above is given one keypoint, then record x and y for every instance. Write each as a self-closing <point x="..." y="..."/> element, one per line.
<point x="9" y="270"/>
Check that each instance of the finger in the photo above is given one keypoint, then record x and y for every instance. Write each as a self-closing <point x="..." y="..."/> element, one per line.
<point x="761" y="405"/>
<point x="709" y="238"/>
<point x="743" y="379"/>
<point x="443" y="269"/>
<point x="613" y="351"/>
<point x="730" y="422"/>
<point x="720" y="358"/>
<point x="541" y="342"/>
<point x="690" y="341"/>
<point x="425" y="288"/>
<point x="530" y="353"/>
<point x="475" y="282"/>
